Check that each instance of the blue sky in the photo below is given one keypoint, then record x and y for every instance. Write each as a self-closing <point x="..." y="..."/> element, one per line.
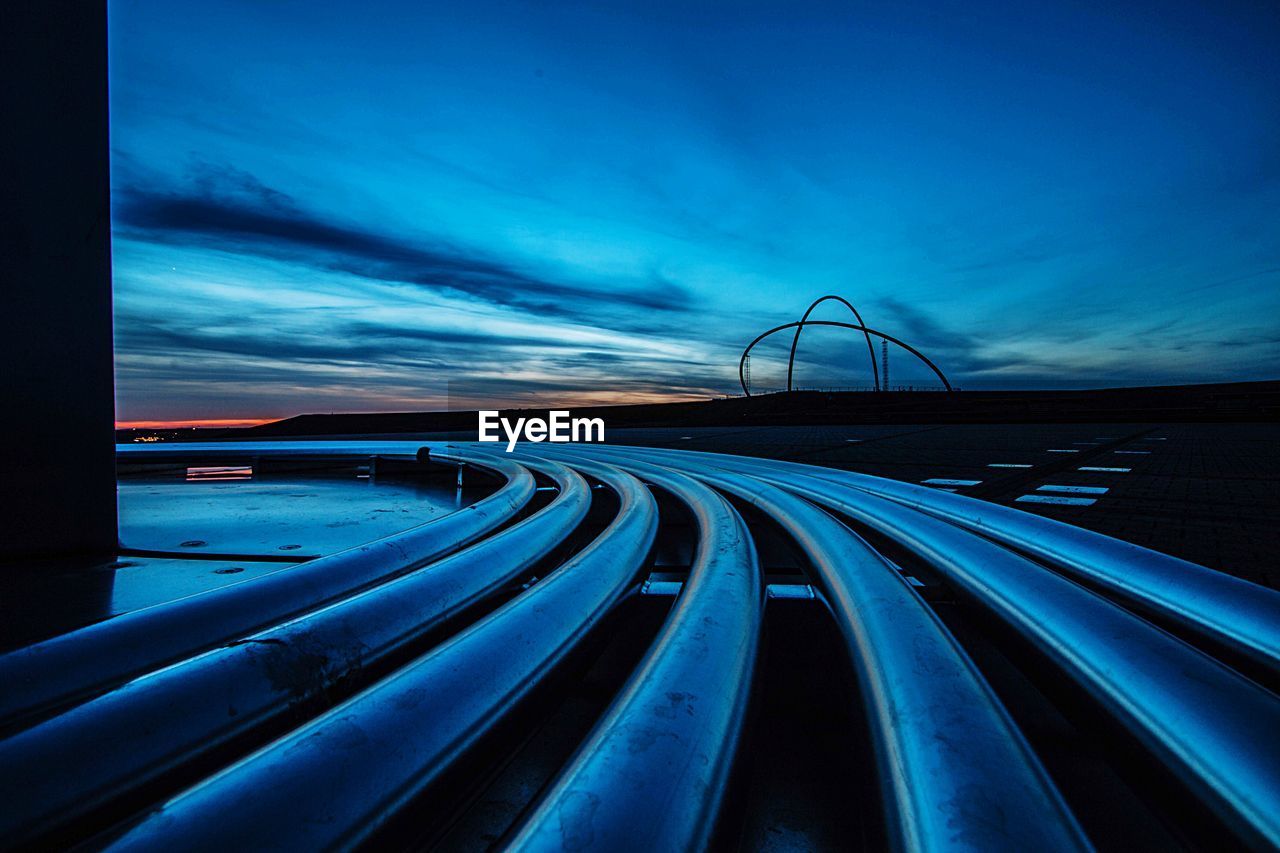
<point x="406" y="206"/>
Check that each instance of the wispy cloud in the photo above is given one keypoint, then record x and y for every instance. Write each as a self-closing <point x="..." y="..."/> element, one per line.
<point x="229" y="209"/>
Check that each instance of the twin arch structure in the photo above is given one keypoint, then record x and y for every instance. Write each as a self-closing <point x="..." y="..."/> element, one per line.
<point x="867" y="332"/>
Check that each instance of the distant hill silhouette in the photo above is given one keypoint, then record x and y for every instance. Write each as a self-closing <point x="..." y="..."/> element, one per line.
<point x="1234" y="401"/>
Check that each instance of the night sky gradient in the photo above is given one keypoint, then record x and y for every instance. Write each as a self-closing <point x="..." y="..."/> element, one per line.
<point x="412" y="206"/>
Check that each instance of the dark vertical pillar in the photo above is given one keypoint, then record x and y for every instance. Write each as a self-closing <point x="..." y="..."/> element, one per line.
<point x="57" y="483"/>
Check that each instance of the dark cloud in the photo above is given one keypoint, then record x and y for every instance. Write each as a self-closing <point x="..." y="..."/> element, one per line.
<point x="483" y="340"/>
<point x="956" y="353"/>
<point x="230" y="209"/>
<point x="348" y="343"/>
<point x="966" y="357"/>
<point x="137" y="336"/>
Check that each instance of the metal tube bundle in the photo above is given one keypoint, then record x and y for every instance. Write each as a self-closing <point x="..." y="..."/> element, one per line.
<point x="309" y="709"/>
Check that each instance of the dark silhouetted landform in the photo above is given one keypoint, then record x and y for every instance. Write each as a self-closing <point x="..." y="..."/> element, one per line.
<point x="1225" y="402"/>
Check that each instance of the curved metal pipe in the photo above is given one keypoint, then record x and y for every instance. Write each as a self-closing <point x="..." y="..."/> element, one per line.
<point x="795" y="341"/>
<point x="1211" y="727"/>
<point x="74" y="666"/>
<point x="1227" y="611"/>
<point x="857" y="327"/>
<point x="938" y="738"/>
<point x="336" y="780"/>
<point x="655" y="768"/>
<point x="77" y="763"/>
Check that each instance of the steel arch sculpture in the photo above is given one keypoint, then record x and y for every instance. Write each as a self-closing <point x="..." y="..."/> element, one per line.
<point x="855" y="326"/>
<point x="795" y="341"/>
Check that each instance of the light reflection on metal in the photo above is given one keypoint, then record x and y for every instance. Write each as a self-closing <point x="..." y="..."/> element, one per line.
<point x="952" y="763"/>
<point x="1074" y="490"/>
<point x="110" y="747"/>
<point x="72" y="666"/>
<point x="219" y="472"/>
<point x="1058" y="500"/>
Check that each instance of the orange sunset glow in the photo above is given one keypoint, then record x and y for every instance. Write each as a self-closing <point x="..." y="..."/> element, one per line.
<point x="192" y="424"/>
